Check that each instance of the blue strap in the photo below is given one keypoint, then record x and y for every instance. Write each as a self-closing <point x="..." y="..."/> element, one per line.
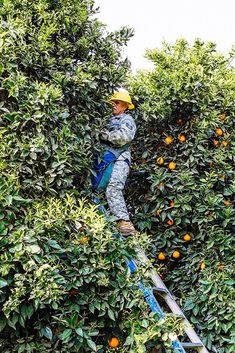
<point x="104" y="168"/>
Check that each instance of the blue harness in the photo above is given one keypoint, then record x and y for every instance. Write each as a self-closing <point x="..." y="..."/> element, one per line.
<point x="103" y="168"/>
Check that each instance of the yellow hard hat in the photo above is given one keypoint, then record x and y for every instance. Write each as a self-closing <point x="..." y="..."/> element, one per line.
<point x="123" y="96"/>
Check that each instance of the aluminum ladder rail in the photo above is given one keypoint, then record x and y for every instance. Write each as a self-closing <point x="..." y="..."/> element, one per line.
<point x="160" y="288"/>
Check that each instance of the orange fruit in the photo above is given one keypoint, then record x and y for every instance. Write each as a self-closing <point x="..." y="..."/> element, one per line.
<point x="224" y="143"/>
<point x="202" y="265"/>
<point x="161" y="256"/>
<point x="176" y="254"/>
<point x="170" y="222"/>
<point x="172" y="165"/>
<point x="221" y="266"/>
<point x="222" y="117"/>
<point x="171" y="203"/>
<point x="181" y="138"/>
<point x="158" y="212"/>
<point x="179" y="121"/>
<point x="227" y="202"/>
<point x="168" y="140"/>
<point x="114" y="342"/>
<point x="83" y="240"/>
<point x="215" y="142"/>
<point x="187" y="237"/>
<point x="160" y="161"/>
<point x="219" y="132"/>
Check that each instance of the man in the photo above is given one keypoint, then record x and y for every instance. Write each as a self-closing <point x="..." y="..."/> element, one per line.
<point x="116" y="137"/>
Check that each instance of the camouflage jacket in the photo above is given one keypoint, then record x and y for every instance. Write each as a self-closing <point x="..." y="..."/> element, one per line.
<point x="119" y="131"/>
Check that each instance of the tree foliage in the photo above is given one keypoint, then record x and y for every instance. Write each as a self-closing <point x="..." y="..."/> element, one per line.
<point x="186" y="147"/>
<point x="64" y="283"/>
<point x="57" y="67"/>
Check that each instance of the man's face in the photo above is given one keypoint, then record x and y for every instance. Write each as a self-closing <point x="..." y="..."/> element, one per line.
<point x="119" y="107"/>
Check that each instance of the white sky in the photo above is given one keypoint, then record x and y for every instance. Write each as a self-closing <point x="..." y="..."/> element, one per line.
<point x="158" y="20"/>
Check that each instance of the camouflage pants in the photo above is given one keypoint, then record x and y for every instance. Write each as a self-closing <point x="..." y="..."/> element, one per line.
<point x="114" y="190"/>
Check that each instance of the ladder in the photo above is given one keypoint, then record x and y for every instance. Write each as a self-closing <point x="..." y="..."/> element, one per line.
<point x="159" y="288"/>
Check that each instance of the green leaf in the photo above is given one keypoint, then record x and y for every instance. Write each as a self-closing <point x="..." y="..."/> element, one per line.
<point x="3" y="323"/>
<point x="21" y="348"/>
<point x="111" y="314"/>
<point x="66" y="334"/>
<point x="53" y="244"/>
<point x="79" y="332"/>
<point x="92" y="345"/>
<point x="33" y="249"/>
<point x="200" y="148"/>
<point x="47" y="333"/>
<point x="144" y="323"/>
<point x="3" y="283"/>
<point x="12" y="322"/>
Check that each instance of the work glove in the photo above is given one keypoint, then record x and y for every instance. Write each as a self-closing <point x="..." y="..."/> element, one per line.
<point x="104" y="135"/>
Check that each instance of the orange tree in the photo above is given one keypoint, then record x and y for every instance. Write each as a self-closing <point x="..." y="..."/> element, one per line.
<point x="185" y="146"/>
<point x="64" y="283"/>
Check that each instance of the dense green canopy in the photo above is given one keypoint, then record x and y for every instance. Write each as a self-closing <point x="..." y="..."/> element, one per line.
<point x="64" y="284"/>
<point x="186" y="146"/>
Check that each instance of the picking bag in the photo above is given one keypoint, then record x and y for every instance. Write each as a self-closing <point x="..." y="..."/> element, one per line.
<point x="103" y="169"/>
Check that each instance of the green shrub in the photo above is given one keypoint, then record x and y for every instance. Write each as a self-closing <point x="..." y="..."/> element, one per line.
<point x="64" y="291"/>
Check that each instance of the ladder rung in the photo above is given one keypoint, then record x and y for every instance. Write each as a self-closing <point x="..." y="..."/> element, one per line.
<point x="191" y="344"/>
<point x="160" y="290"/>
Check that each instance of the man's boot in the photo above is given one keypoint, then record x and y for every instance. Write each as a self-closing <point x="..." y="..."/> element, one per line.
<point x="126" y="227"/>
